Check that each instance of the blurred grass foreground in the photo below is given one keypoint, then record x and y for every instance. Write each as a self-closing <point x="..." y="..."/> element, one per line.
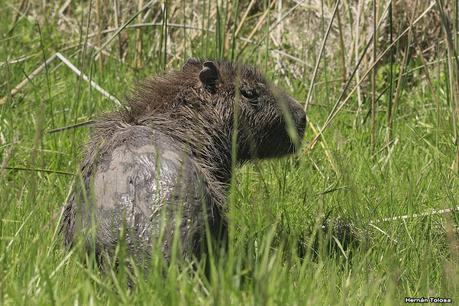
<point x="365" y="214"/>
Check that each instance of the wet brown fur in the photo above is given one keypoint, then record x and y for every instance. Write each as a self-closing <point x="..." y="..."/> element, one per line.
<point x="200" y="118"/>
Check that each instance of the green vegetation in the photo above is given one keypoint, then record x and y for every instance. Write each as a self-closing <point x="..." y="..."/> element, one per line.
<point x="391" y="150"/>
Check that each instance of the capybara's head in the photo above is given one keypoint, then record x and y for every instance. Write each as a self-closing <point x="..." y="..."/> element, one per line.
<point x="270" y="123"/>
<point x="234" y="97"/>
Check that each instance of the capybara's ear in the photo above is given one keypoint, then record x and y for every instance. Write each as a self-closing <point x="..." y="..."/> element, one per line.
<point x="191" y="62"/>
<point x="209" y="74"/>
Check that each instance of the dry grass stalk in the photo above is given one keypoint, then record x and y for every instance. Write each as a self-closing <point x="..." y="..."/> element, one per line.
<point x="28" y="78"/>
<point x="69" y="127"/>
<point x="453" y="76"/>
<point x="40" y="68"/>
<point x="17" y="13"/>
<point x="257" y="26"/>
<point x="373" y="81"/>
<point x="340" y="103"/>
<point x="356" y="47"/>
<point x="403" y="66"/>
<point x="39" y="170"/>
<point x="122" y="38"/>
<point x="138" y="41"/>
<point x="342" y="47"/>
<point x="120" y="29"/>
<point x="99" y="32"/>
<point x="324" y="145"/>
<point x="319" y="57"/>
<point x="423" y="214"/>
<point x="391" y="75"/>
<point x="398" y="90"/>
<point x="432" y="87"/>
<point x="244" y="17"/>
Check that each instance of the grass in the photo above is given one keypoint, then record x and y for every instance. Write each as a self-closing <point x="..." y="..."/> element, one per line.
<point x="276" y="207"/>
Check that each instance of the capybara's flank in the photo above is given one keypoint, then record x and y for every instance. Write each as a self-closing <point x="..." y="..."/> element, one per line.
<point x="167" y="157"/>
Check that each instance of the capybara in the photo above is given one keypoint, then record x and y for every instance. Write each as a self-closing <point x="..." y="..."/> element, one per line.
<point x="160" y="167"/>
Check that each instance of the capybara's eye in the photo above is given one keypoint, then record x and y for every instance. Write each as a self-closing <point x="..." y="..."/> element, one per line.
<point x="249" y="94"/>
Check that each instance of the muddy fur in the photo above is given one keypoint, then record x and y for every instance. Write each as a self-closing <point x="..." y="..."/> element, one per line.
<point x="167" y="156"/>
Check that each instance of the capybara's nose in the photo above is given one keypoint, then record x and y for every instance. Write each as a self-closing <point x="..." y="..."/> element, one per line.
<point x="302" y="120"/>
<point x="299" y="115"/>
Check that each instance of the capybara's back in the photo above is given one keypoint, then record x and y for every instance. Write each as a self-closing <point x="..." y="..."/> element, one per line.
<point x="139" y="187"/>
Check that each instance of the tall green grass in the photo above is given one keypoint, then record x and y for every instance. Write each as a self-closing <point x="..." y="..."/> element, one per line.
<point x="278" y="253"/>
